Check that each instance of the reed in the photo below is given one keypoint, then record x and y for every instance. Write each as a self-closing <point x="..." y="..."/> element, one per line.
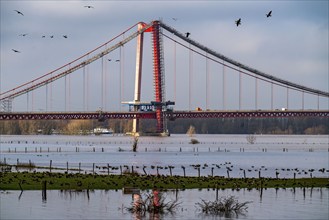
<point x="223" y="206"/>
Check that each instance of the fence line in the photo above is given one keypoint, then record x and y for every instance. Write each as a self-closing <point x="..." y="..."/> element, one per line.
<point x="221" y="170"/>
<point x="189" y="148"/>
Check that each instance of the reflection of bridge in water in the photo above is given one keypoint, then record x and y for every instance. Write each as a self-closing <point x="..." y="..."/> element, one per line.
<point x="160" y="109"/>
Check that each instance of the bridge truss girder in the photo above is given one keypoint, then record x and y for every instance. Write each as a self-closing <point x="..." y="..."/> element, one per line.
<point x="246" y="114"/>
<point x="172" y="115"/>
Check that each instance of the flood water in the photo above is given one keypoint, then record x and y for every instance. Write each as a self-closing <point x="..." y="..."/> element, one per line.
<point x="101" y="204"/>
<point x="289" y="155"/>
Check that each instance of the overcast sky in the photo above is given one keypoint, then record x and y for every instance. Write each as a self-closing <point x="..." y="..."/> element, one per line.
<point x="292" y="44"/>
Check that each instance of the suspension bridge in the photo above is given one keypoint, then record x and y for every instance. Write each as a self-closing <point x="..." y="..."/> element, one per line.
<point x="202" y="66"/>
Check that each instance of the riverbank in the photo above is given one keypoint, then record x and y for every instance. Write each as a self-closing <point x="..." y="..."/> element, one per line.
<point x="64" y="181"/>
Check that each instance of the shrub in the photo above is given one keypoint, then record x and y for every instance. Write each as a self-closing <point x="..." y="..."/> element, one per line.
<point x="194" y="141"/>
<point x="251" y="139"/>
<point x="223" y="207"/>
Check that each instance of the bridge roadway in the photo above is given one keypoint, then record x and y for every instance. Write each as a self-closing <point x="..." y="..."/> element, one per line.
<point x="172" y="115"/>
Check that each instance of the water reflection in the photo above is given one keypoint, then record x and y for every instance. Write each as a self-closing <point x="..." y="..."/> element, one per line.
<point x="20" y="195"/>
<point x="73" y="194"/>
<point x="296" y="203"/>
<point x="153" y="205"/>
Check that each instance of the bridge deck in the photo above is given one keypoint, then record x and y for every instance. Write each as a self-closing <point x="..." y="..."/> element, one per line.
<point x="170" y="114"/>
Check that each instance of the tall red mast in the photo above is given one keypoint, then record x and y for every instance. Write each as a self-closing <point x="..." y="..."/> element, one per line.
<point x="158" y="73"/>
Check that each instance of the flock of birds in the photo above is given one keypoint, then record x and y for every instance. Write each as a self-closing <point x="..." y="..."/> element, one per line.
<point x="237" y="22"/>
<point x="187" y="34"/>
<point x="43" y="36"/>
<point x="226" y="166"/>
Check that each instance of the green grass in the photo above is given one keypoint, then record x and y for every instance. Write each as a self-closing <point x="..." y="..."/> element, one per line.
<point x="32" y="181"/>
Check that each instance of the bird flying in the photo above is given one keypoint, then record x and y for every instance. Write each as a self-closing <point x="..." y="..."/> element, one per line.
<point x="175" y="19"/>
<point x="269" y="14"/>
<point x="187" y="34"/>
<point x="89" y="6"/>
<point x="16" y="51"/>
<point x="23" y="35"/>
<point x="18" y="12"/>
<point x="238" y="22"/>
<point x="65" y="36"/>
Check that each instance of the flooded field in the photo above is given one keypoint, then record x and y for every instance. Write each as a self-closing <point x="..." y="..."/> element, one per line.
<point x="266" y="155"/>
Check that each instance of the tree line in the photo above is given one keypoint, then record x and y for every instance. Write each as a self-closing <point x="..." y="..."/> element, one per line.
<point x="306" y="125"/>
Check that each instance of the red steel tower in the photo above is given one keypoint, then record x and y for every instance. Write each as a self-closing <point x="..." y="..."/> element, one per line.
<point x="158" y="74"/>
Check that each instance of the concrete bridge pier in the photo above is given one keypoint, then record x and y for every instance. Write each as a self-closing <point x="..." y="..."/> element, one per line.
<point x="138" y="77"/>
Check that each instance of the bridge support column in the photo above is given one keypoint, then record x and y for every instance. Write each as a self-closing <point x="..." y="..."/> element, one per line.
<point x="158" y="73"/>
<point x="138" y="76"/>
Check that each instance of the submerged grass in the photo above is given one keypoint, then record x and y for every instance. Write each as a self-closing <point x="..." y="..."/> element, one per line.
<point x="32" y="181"/>
<point x="223" y="207"/>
